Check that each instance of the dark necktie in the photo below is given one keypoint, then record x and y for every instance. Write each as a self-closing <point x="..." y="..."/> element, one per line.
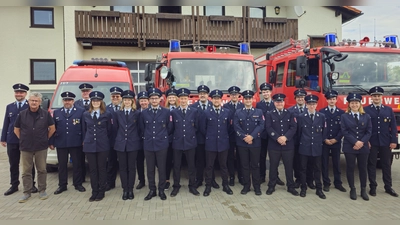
<point x="301" y="109"/>
<point x="332" y="110"/>
<point x="172" y="108"/>
<point x="267" y="103"/>
<point x="279" y="112"/>
<point x="86" y="102"/>
<point x="20" y="105"/>
<point x="116" y="108"/>
<point x="67" y="112"/>
<point x="95" y="116"/>
<point x="312" y="117"/>
<point x="154" y="110"/>
<point x="248" y="111"/>
<point x="217" y="110"/>
<point x="234" y="106"/>
<point x="356" y="118"/>
<point x="378" y="108"/>
<point x="204" y="106"/>
<point x="127" y="114"/>
<point x="184" y="111"/>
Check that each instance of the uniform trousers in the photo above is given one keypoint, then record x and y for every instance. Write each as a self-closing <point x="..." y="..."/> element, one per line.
<point x="362" y="160"/>
<point x="385" y="154"/>
<point x="98" y="171"/>
<point x="250" y="163"/>
<point x="233" y="162"/>
<point x="263" y="158"/>
<point x="200" y="157"/>
<point x="140" y="165"/>
<point x="112" y="167"/>
<point x="274" y="158"/>
<point x="127" y="169"/>
<point x="14" y="157"/>
<point x="27" y="158"/>
<point x="170" y="161"/>
<point x="153" y="158"/>
<point x="316" y="172"/>
<point x="210" y="160"/>
<point x="190" y="158"/>
<point x="62" y="156"/>
<point x="297" y="167"/>
<point x="335" y="152"/>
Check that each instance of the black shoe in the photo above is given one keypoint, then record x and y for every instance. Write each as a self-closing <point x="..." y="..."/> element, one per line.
<point x="372" y="191"/>
<point x="311" y="185"/>
<point x="326" y="188"/>
<point x="293" y="192"/>
<point x="109" y="187"/>
<point x="199" y="183"/>
<point x="270" y="190"/>
<point x="340" y="188"/>
<point x="214" y="184"/>
<point x="140" y="185"/>
<point x="150" y="195"/>
<point x="131" y="195"/>
<point x="92" y="198"/>
<point x="232" y="181"/>
<point x="194" y="191"/>
<point x="227" y="189"/>
<point x="11" y="190"/>
<point x="279" y="182"/>
<point x="34" y="189"/>
<point x="80" y="188"/>
<point x="125" y="195"/>
<point x="257" y="190"/>
<point x="303" y="193"/>
<point x="353" y="194"/>
<point x="162" y="195"/>
<point x="262" y="180"/>
<point x="320" y="194"/>
<point x="174" y="192"/>
<point x="99" y="196"/>
<point x="364" y="194"/>
<point x="207" y="191"/>
<point x="245" y="190"/>
<point x="391" y="192"/>
<point x="167" y="185"/>
<point x="60" y="190"/>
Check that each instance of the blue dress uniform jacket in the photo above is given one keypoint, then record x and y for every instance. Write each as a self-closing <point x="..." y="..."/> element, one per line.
<point x="229" y="105"/>
<point x="79" y="103"/>
<point x="128" y="134"/>
<point x="263" y="106"/>
<point x="97" y="133"/>
<point x="311" y="134"/>
<point x="353" y="132"/>
<point x="216" y="129"/>
<point x="7" y="133"/>
<point x="280" y="125"/>
<point x="333" y="130"/>
<point x="110" y="108"/>
<point x="251" y="123"/>
<point x="69" y="130"/>
<point x="384" y="125"/>
<point x="184" y="128"/>
<point x="199" y="135"/>
<point x="155" y="128"/>
<point x="296" y="111"/>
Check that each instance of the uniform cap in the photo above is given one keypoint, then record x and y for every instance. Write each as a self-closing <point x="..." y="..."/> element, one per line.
<point x="96" y="95"/>
<point x="265" y="86"/>
<point x="300" y="92"/>
<point x="68" y="95"/>
<point x="234" y="89"/>
<point x="20" y="87"/>
<point x="311" y="98"/>
<point x="279" y="97"/>
<point x="142" y="95"/>
<point x="203" y="88"/>
<point x="85" y="86"/>
<point x="128" y="94"/>
<point x="216" y="93"/>
<point x="353" y="97"/>
<point x="248" y="94"/>
<point x="183" y="92"/>
<point x="116" y="90"/>
<point x="154" y="91"/>
<point x="331" y="94"/>
<point x="171" y="91"/>
<point x="376" y="91"/>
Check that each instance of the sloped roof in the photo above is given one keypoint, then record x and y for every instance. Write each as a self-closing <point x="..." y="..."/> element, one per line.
<point x="348" y="12"/>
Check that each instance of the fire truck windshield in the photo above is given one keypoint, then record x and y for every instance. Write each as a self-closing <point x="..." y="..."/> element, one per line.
<point x="363" y="70"/>
<point x="215" y="73"/>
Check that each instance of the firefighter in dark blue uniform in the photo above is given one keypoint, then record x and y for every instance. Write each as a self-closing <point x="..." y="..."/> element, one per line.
<point x="233" y="105"/>
<point x="202" y="105"/>
<point x="171" y="105"/>
<point x="248" y="125"/>
<point x="383" y="140"/>
<point x="311" y="132"/>
<point x="112" y="161"/>
<point x="128" y="142"/>
<point x="281" y="127"/>
<point x="84" y="102"/>
<point x="11" y="141"/>
<point x="266" y="105"/>
<point x="68" y="140"/>
<point x="215" y="125"/>
<point x="97" y="128"/>
<point x="155" y="127"/>
<point x="356" y="129"/>
<point x="143" y="100"/>
<point x="332" y="143"/>
<point x="184" y="126"/>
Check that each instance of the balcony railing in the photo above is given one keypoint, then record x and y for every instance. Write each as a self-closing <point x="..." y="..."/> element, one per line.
<point x="134" y="27"/>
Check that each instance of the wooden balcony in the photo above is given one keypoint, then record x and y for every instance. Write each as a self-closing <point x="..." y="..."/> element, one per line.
<point x="141" y="29"/>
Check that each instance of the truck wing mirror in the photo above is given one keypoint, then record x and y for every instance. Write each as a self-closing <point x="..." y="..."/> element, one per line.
<point x="272" y="77"/>
<point x="301" y="66"/>
<point x="148" y="72"/>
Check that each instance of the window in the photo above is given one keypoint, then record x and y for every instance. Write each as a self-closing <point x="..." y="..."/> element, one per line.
<point x="291" y="74"/>
<point x="42" y="17"/>
<point x="125" y="9"/>
<point x="170" y="9"/>
<point x="137" y="72"/>
<point x="43" y="71"/>
<point x="257" y="12"/>
<point x="280" y="69"/>
<point x="214" y="10"/>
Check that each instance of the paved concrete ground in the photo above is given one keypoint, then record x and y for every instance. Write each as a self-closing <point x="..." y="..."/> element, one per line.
<point x="72" y="205"/>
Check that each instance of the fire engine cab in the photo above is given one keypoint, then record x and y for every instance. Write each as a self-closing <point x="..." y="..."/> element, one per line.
<point x="205" y="65"/>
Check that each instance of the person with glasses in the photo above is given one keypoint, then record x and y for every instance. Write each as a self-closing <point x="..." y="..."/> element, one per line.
<point x="143" y="100"/>
<point x="97" y="129"/>
<point x="356" y="128"/>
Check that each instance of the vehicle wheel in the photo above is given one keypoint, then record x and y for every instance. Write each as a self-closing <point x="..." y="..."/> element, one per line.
<point x="51" y="169"/>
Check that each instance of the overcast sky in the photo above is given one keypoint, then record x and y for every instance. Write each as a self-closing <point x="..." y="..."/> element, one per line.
<point x="387" y="22"/>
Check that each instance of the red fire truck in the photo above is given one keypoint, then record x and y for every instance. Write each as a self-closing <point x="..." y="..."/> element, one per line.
<point x="321" y="63"/>
<point x="218" y="69"/>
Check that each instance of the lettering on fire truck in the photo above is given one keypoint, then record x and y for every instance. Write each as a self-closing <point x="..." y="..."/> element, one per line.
<point x="386" y="100"/>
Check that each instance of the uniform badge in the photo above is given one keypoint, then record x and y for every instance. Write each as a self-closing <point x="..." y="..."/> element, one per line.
<point x="99" y="123"/>
<point x="272" y="134"/>
<point x="385" y="120"/>
<point x="362" y="123"/>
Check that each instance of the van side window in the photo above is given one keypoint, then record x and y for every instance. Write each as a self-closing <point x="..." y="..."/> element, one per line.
<point x="313" y="71"/>
<point x="261" y="75"/>
<point x="280" y="69"/>
<point x="291" y="74"/>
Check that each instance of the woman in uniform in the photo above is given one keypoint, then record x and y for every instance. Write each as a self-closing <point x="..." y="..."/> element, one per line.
<point x="356" y="129"/>
<point x="97" y="125"/>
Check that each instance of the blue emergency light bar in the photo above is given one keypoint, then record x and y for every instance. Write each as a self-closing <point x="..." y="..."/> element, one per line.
<point x="244" y="48"/>
<point x="391" y="38"/>
<point x="330" y="39"/>
<point x="102" y="63"/>
<point x="174" y="46"/>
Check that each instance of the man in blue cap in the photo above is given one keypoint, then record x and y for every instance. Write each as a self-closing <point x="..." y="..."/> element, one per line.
<point x="9" y="140"/>
<point x="311" y="130"/>
<point x="84" y="102"/>
<point x="155" y="124"/>
<point x="112" y="161"/>
<point x="68" y="140"/>
<point x="143" y="99"/>
<point x="233" y="105"/>
<point x="382" y="141"/>
<point x="333" y="142"/>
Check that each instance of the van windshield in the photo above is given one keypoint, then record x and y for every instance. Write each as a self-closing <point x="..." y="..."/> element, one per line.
<point x="73" y="87"/>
